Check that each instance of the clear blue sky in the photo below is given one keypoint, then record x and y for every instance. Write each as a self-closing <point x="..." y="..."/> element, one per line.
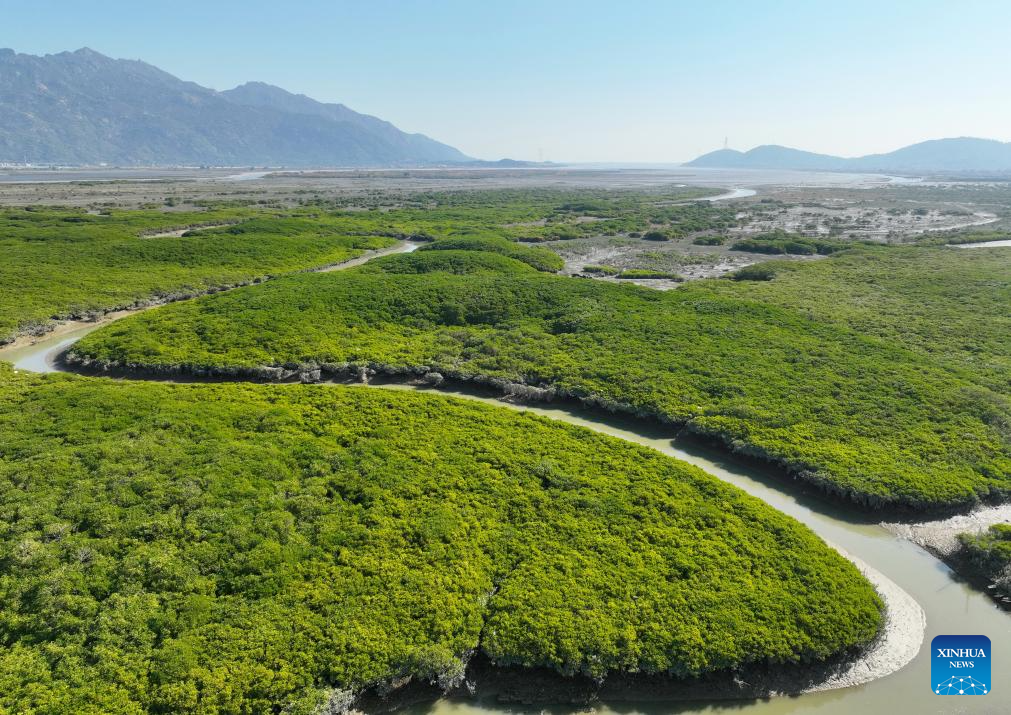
<point x="583" y="81"/>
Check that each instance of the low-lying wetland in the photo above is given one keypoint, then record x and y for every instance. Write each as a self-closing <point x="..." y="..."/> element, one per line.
<point x="354" y="504"/>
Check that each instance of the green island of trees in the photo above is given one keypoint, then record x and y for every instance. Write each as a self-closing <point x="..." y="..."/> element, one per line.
<point x="542" y="259"/>
<point x="460" y="262"/>
<point x="854" y="411"/>
<point x="241" y="548"/>
<point x="990" y="553"/>
<point x="784" y="242"/>
<point x="631" y="273"/>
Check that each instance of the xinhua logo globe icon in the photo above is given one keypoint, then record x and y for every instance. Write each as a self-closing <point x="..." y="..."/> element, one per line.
<point x="960" y="665"/>
<point x="961" y="686"/>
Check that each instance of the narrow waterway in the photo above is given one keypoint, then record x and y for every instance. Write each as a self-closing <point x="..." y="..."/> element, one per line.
<point x="739" y="193"/>
<point x="982" y="244"/>
<point x="951" y="607"/>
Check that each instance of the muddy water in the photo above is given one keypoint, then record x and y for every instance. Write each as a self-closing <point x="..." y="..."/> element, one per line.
<point x="40" y="356"/>
<point x="951" y="607"/>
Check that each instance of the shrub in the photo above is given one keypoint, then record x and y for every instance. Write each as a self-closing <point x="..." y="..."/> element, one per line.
<point x="755" y="272"/>
<point x="633" y="273"/>
<point x="446" y="261"/>
<point x="602" y="270"/>
<point x="781" y="242"/>
<point x="543" y="259"/>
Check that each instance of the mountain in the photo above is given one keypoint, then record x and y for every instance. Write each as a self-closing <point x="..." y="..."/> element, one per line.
<point x="964" y="154"/>
<point x="416" y="146"/>
<point x="85" y="108"/>
<point x="768" y="156"/>
<point x="961" y="155"/>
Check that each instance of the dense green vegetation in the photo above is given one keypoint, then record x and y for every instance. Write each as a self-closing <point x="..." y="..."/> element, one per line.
<point x="242" y="548"/>
<point x="540" y="214"/>
<point x="65" y="263"/>
<point x="949" y="305"/>
<point x="630" y="273"/>
<point x="650" y="216"/>
<point x="542" y="259"/>
<point x="783" y="242"/>
<point x="62" y="263"/>
<point x="459" y="262"/>
<point x="602" y="270"/>
<point x="755" y="272"/>
<point x="990" y="552"/>
<point x="861" y="415"/>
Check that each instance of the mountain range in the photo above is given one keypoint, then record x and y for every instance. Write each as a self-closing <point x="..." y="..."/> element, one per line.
<point x="85" y="108"/>
<point x="963" y="155"/>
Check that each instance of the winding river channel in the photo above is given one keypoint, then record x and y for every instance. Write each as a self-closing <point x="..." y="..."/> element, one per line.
<point x="950" y="606"/>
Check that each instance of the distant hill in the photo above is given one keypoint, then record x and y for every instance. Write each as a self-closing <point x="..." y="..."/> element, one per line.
<point x="85" y="108"/>
<point x="961" y="155"/>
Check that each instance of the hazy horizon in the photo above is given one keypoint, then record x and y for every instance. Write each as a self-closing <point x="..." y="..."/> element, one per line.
<point x="649" y="82"/>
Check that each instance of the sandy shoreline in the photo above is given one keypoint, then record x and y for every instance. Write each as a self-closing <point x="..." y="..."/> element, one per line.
<point x="64" y="327"/>
<point x="901" y="635"/>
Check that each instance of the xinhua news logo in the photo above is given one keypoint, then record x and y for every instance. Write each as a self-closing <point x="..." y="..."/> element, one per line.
<point x="960" y="665"/>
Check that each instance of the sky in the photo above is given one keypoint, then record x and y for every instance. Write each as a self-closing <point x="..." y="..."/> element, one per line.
<point x="587" y="81"/>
